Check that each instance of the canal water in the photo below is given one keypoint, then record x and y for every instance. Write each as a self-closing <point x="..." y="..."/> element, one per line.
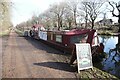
<point x="111" y="63"/>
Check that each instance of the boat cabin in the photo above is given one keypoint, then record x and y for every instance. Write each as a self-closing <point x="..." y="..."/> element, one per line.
<point x="66" y="40"/>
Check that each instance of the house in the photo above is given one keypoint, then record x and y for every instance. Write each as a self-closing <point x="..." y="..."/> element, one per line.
<point x="105" y="22"/>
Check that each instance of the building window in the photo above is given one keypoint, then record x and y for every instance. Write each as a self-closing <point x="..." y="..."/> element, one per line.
<point x="58" y="38"/>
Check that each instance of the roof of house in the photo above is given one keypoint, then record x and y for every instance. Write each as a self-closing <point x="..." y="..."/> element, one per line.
<point x="105" y="20"/>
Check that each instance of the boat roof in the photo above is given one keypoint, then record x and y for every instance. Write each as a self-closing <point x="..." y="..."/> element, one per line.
<point x="79" y="31"/>
<point x="73" y="31"/>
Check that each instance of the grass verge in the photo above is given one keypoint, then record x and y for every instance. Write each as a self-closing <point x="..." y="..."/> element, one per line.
<point x="4" y="33"/>
<point x="107" y="33"/>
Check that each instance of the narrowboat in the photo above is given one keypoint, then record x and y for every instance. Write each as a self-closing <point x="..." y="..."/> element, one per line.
<point x="65" y="40"/>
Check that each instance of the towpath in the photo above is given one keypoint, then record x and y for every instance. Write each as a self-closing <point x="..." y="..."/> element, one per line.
<point x="29" y="58"/>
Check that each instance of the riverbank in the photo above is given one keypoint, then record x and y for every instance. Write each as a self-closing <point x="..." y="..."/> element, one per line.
<point x="108" y="33"/>
<point x="96" y="74"/>
<point x="89" y="74"/>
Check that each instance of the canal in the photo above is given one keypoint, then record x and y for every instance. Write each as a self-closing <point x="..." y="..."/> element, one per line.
<point x="111" y="63"/>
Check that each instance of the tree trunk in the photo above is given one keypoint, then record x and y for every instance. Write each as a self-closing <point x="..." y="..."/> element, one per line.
<point x="119" y="28"/>
<point x="75" y="19"/>
<point x="92" y="24"/>
<point x="119" y="32"/>
<point x="58" y="23"/>
<point x="86" y="17"/>
<point x="119" y="39"/>
<point x="86" y="23"/>
<point x="119" y="22"/>
<point x="69" y="25"/>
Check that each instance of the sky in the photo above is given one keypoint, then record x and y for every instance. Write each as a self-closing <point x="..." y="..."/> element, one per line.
<point x="24" y="9"/>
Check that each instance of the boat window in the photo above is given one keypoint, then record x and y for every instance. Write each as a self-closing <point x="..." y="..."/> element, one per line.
<point x="82" y="38"/>
<point x="51" y="36"/>
<point x="58" y="38"/>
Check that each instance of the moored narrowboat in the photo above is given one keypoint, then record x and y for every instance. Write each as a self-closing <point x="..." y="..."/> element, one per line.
<point x="65" y="40"/>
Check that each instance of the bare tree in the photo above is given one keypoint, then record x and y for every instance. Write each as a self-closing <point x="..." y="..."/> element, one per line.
<point x="68" y="17"/>
<point x="84" y="10"/>
<point x="116" y="6"/>
<point x="58" y="10"/>
<point x="92" y="10"/>
<point x="73" y="5"/>
<point x="49" y="19"/>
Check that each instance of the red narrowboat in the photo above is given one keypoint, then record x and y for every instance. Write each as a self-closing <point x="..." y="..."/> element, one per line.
<point x="65" y="40"/>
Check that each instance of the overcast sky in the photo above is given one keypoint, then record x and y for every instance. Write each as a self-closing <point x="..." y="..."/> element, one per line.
<point x="24" y="9"/>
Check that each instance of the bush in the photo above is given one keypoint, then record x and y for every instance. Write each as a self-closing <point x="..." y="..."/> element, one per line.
<point x="20" y="33"/>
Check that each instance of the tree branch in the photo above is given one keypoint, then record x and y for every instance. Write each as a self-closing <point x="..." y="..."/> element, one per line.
<point x="113" y="10"/>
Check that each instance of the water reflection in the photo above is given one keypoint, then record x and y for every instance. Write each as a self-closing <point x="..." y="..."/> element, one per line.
<point x="111" y="63"/>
